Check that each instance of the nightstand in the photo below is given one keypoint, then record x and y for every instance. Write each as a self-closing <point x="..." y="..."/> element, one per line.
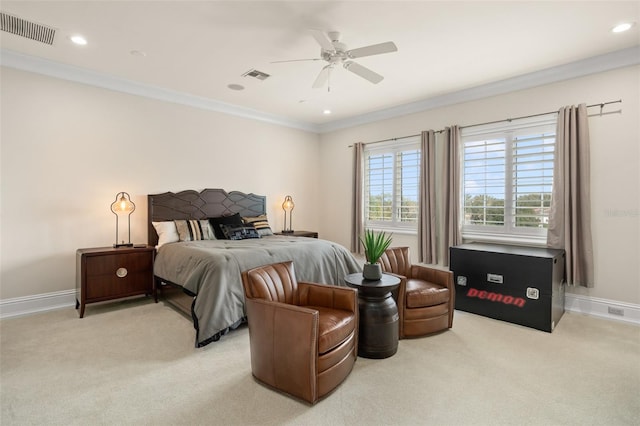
<point x="309" y="234"/>
<point x="112" y="273"/>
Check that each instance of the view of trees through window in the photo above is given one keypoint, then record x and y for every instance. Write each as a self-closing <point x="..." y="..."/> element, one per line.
<point x="391" y="185"/>
<point x="380" y="210"/>
<point x="531" y="210"/>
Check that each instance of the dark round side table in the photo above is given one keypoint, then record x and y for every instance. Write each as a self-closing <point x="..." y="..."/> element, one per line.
<point x="378" y="328"/>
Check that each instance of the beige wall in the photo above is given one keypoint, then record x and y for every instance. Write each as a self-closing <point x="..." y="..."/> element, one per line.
<point x="615" y="153"/>
<point x="68" y="148"/>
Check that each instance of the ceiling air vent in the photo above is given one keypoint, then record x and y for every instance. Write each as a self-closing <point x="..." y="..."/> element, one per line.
<point x="24" y="28"/>
<point x="256" y="74"/>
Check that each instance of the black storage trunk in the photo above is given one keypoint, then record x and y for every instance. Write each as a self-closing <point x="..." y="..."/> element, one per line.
<point x="522" y="285"/>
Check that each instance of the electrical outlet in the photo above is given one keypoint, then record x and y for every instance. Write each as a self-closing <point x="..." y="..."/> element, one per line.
<point x="615" y="311"/>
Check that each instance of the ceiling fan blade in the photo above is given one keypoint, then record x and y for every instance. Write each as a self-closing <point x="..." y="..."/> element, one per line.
<point x="374" y="49"/>
<point x="323" y="40"/>
<point x="363" y="72"/>
<point x="296" y="60"/>
<point x="322" y="77"/>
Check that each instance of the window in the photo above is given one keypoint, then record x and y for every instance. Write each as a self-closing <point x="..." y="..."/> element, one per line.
<point x="507" y="177"/>
<point x="391" y="184"/>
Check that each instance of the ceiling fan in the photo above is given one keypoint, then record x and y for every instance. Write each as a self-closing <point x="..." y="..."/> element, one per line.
<point x="336" y="53"/>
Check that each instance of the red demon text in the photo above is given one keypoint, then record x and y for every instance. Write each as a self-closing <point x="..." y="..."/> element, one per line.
<point x="496" y="297"/>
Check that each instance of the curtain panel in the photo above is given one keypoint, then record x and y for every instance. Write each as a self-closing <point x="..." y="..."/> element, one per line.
<point x="427" y="231"/>
<point x="570" y="210"/>
<point x="451" y="192"/>
<point x="357" y="227"/>
<point x="439" y="217"/>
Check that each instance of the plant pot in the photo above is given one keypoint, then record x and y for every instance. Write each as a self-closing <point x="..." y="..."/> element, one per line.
<point x="372" y="271"/>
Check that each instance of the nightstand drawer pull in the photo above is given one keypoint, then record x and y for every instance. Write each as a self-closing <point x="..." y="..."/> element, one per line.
<point x="121" y="272"/>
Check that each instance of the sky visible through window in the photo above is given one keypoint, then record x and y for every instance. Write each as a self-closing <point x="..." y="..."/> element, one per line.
<point x="485" y="165"/>
<point x="393" y="174"/>
<point x="484" y="162"/>
<point x="382" y="181"/>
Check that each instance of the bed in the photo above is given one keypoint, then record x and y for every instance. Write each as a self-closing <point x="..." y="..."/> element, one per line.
<point x="202" y="278"/>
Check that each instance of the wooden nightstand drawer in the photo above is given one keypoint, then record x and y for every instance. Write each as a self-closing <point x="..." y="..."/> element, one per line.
<point x="110" y="264"/>
<point x="106" y="287"/>
<point x="109" y="273"/>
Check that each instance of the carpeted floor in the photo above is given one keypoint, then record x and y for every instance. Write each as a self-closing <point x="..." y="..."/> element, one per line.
<point x="133" y="362"/>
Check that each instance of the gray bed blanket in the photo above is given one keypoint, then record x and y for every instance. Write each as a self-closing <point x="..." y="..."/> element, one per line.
<point x="211" y="269"/>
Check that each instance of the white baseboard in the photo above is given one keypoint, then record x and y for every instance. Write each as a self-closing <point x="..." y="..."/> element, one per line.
<point x="594" y="306"/>
<point x="37" y="303"/>
<point x="601" y="308"/>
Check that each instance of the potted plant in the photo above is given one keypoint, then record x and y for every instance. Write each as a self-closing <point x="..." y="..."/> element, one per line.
<point x="374" y="246"/>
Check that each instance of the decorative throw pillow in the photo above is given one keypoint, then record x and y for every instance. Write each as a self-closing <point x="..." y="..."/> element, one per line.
<point x="233" y="232"/>
<point x="194" y="230"/>
<point x="167" y="232"/>
<point x="234" y="219"/>
<point x="260" y="223"/>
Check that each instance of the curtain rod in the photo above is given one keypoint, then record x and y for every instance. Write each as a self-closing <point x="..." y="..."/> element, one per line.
<point x="601" y="105"/>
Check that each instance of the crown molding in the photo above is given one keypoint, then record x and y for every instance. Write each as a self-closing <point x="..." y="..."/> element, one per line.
<point x="12" y="59"/>
<point x="606" y="62"/>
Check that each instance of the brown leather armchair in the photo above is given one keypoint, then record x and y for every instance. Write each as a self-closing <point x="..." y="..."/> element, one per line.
<point x="303" y="336"/>
<point x="426" y="296"/>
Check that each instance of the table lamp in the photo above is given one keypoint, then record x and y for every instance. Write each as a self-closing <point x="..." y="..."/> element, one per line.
<point x="287" y="206"/>
<point x="121" y="206"/>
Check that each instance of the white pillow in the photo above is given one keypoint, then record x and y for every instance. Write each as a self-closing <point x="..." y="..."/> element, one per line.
<point x="167" y="232"/>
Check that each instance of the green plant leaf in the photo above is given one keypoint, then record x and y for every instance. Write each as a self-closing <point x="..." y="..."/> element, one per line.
<point x="375" y="244"/>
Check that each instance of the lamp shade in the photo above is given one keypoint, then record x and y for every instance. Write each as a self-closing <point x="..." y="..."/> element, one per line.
<point x="288" y="204"/>
<point x="123" y="204"/>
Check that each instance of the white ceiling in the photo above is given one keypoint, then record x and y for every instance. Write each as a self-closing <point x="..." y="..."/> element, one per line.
<point x="197" y="48"/>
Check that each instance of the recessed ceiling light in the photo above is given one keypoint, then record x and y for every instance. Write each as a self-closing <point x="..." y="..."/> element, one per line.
<point x="620" y="28"/>
<point x="235" y="87"/>
<point x="138" y="53"/>
<point x="326" y="112"/>
<point x="79" y="40"/>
